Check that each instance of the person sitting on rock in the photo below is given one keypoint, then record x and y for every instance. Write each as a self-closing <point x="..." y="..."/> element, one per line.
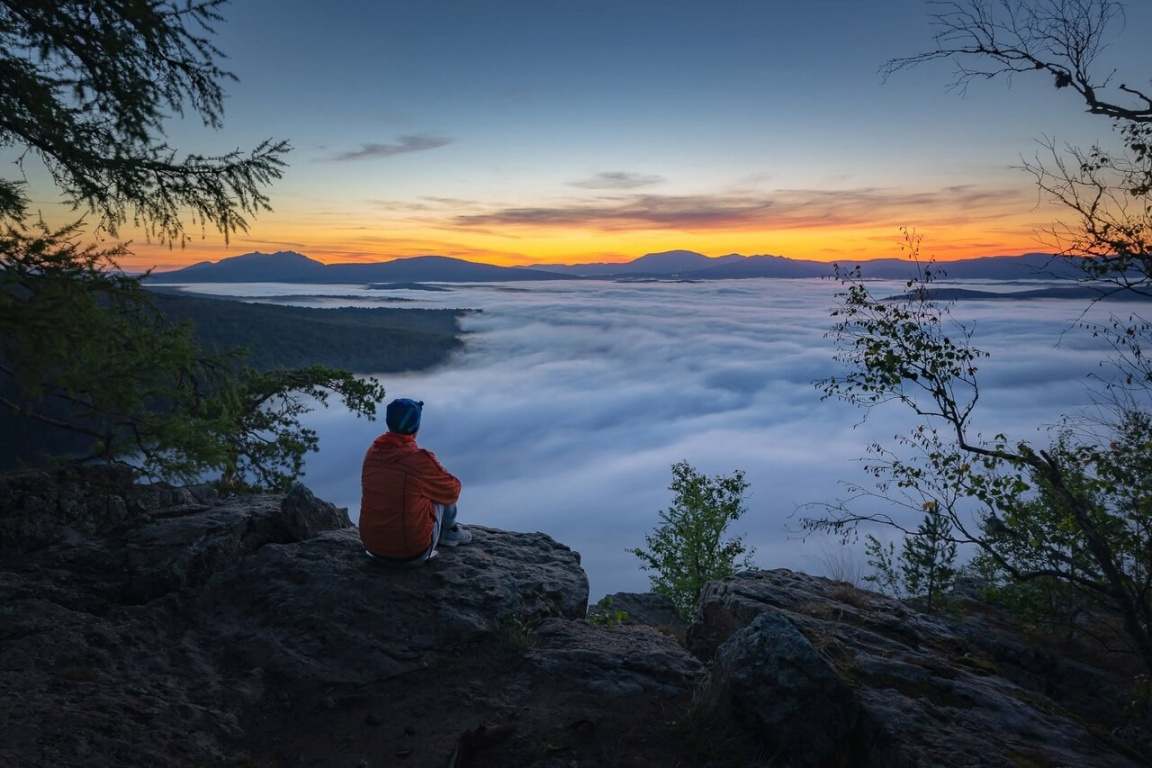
<point x="408" y="500"/>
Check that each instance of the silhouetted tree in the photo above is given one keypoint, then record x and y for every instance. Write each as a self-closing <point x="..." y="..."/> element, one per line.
<point x="1078" y="511"/>
<point x="86" y="88"/>
<point x="1105" y="190"/>
<point x="1076" y="514"/>
<point x="986" y="39"/>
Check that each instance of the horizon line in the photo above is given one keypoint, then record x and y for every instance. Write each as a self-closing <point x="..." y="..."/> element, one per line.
<point x="542" y="266"/>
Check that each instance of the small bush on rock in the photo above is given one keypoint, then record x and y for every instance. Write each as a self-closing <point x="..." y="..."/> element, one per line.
<point x="925" y="567"/>
<point x="605" y="614"/>
<point x="687" y="550"/>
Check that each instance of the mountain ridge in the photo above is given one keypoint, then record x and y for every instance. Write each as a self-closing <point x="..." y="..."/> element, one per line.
<point x="293" y="267"/>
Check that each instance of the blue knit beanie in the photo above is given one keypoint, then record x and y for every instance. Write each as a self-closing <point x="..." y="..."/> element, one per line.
<point x="403" y="416"/>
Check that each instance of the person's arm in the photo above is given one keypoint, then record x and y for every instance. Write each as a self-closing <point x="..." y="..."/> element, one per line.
<point x="440" y="485"/>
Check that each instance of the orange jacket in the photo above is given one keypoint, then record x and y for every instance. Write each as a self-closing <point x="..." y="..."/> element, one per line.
<point x="399" y="485"/>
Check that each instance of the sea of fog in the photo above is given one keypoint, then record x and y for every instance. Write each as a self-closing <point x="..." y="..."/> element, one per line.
<point x="571" y="401"/>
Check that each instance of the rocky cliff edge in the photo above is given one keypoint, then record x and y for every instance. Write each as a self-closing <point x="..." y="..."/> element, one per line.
<point x="160" y="626"/>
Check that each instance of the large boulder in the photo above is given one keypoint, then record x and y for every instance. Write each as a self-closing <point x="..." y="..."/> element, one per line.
<point x="826" y="674"/>
<point x="38" y="508"/>
<point x="790" y="693"/>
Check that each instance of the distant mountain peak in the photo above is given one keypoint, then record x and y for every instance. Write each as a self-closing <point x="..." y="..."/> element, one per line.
<point x="286" y="256"/>
<point x="672" y="253"/>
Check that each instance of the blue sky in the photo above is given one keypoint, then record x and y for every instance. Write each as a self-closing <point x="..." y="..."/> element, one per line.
<point x="522" y="132"/>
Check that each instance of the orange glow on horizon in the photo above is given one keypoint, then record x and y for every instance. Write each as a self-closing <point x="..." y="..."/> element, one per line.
<point x="857" y="224"/>
<point x="575" y="247"/>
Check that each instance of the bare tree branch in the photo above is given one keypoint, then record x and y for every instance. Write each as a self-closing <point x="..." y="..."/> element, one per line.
<point x="986" y="39"/>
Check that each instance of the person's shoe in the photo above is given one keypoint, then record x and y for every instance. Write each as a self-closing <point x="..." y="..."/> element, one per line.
<point x="455" y="536"/>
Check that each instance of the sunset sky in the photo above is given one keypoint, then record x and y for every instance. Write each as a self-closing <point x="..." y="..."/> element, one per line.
<point x="532" y="131"/>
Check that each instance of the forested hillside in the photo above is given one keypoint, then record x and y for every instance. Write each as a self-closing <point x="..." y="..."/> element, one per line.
<point x="376" y="340"/>
<point x="364" y="340"/>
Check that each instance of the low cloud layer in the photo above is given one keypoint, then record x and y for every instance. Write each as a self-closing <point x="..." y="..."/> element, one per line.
<point x="573" y="400"/>
<point x="404" y="145"/>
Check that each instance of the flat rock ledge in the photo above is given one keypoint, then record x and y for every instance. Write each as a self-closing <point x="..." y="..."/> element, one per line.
<point x="146" y="625"/>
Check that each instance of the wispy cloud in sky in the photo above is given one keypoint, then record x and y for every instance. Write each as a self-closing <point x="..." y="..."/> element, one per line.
<point x="402" y="146"/>
<point x="425" y="203"/>
<point x="780" y="209"/>
<point x="617" y="180"/>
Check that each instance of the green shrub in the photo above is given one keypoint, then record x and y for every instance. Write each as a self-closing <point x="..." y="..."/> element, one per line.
<point x="687" y="549"/>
